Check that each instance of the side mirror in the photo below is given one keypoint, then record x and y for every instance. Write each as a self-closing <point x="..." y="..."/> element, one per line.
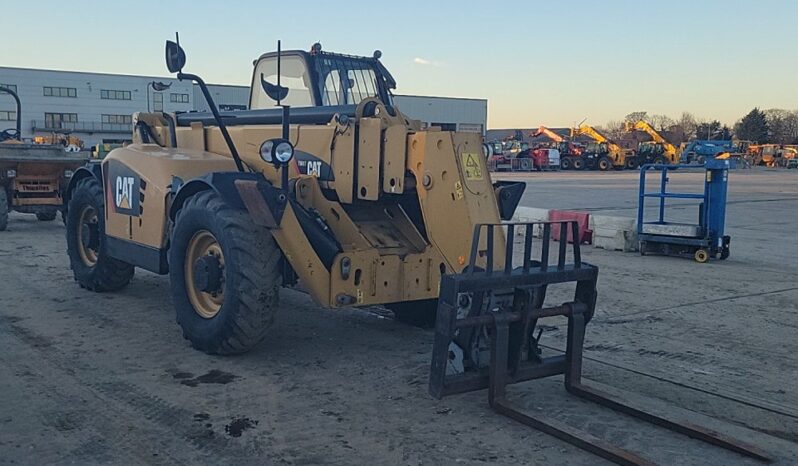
<point x="274" y="91"/>
<point x="175" y="57"/>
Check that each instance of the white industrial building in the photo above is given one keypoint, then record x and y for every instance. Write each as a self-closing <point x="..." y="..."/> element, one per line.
<point x="98" y="107"/>
<point x="450" y="113"/>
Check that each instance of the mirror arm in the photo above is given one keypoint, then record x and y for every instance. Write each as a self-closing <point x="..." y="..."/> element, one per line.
<point x="216" y="116"/>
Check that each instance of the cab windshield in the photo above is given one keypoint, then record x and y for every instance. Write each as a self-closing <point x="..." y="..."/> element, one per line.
<point x="346" y="81"/>
<point x="324" y="79"/>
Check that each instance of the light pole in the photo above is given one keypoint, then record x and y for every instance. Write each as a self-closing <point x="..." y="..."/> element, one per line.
<point x="158" y="87"/>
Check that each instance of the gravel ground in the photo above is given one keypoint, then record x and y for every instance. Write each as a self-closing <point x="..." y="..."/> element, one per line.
<point x="106" y="378"/>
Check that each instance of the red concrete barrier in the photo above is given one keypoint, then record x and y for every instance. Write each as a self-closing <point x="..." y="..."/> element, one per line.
<point x="582" y="219"/>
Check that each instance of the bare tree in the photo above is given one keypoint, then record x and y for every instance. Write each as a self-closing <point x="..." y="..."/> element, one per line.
<point x="613" y="129"/>
<point x="661" y="122"/>
<point x="782" y="125"/>
<point x="636" y="116"/>
<point x="688" y="123"/>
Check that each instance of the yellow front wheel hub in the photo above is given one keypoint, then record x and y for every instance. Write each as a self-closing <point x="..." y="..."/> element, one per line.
<point x="88" y="236"/>
<point x="204" y="272"/>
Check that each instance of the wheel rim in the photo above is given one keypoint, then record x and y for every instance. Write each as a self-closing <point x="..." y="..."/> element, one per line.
<point x="202" y="244"/>
<point x="604" y="165"/>
<point x="701" y="256"/>
<point x="88" y="236"/>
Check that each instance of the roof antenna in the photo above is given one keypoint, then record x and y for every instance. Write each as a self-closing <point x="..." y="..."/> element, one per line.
<point x="279" y="56"/>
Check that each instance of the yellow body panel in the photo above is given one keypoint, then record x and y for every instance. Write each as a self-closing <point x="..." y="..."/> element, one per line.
<point x="155" y="166"/>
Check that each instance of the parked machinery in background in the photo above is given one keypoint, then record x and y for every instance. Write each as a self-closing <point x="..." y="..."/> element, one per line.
<point x="658" y="150"/>
<point x="33" y="177"/>
<point x="570" y="152"/>
<point x="698" y="151"/>
<point x="604" y="153"/>
<point x="766" y="155"/>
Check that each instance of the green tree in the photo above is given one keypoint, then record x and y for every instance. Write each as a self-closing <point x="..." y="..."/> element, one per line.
<point x="712" y="130"/>
<point x="753" y="127"/>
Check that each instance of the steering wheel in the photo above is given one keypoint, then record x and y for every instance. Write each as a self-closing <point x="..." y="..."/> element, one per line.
<point x="10" y="133"/>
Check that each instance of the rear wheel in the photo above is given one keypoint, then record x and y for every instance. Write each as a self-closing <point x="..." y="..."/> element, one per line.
<point x="91" y="265"/>
<point x="225" y="276"/>
<point x="578" y="163"/>
<point x="416" y="313"/>
<point x="3" y="209"/>
<point x="604" y="164"/>
<point x="632" y="163"/>
<point x="46" y="215"/>
<point x="566" y="163"/>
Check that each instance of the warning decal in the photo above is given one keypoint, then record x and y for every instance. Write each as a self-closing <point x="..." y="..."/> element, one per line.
<point x="471" y="166"/>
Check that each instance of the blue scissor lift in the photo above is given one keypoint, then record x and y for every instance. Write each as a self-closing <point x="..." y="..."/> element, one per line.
<point x="700" y="241"/>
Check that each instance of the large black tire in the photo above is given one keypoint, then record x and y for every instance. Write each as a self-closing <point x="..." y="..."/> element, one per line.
<point x="248" y="279"/>
<point x="659" y="160"/>
<point x="632" y="163"/>
<point x="578" y="163"/>
<point x="416" y="313"/>
<point x="566" y="163"/>
<point x="46" y="216"/>
<point x="3" y="209"/>
<point x="604" y="163"/>
<point x="87" y="238"/>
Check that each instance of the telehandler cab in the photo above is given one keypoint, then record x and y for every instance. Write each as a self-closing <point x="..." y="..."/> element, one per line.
<point x="324" y="183"/>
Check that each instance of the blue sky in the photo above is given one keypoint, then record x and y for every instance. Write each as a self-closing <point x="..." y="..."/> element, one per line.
<point x="551" y="63"/>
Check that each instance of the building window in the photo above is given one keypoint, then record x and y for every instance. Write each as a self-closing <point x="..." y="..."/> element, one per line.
<point x="118" y="119"/>
<point x="13" y="87"/>
<point x="57" y="120"/>
<point x="60" y="92"/>
<point x="446" y="126"/>
<point x="8" y="115"/>
<point x="231" y="107"/>
<point x="115" y="95"/>
<point x="178" y="98"/>
<point x="157" y="102"/>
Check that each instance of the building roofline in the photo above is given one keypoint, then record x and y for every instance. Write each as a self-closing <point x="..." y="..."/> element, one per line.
<point x="109" y="74"/>
<point x="441" y="97"/>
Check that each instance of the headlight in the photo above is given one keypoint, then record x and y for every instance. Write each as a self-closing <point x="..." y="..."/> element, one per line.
<point x="266" y="151"/>
<point x="277" y="151"/>
<point x="283" y="152"/>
